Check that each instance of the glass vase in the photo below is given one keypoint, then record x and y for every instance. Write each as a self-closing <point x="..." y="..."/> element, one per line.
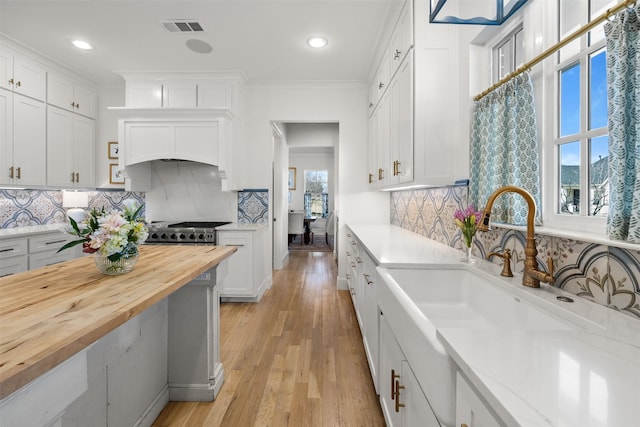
<point x="124" y="264"/>
<point x="468" y="257"/>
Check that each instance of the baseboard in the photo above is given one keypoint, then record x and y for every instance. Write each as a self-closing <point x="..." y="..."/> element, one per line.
<point x="152" y="411"/>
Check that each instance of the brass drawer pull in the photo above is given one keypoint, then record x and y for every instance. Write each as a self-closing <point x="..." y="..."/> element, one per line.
<point x="398" y="404"/>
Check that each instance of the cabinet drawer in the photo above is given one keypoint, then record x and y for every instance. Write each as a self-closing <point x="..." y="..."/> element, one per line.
<point x="42" y="259"/>
<point x="13" y="247"/>
<point x="48" y="242"/>
<point x="13" y="265"/>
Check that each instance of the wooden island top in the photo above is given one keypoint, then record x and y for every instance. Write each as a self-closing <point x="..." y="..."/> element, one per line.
<point x="49" y="314"/>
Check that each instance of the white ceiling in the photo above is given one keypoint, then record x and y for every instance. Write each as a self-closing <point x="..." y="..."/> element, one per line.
<point x="266" y="39"/>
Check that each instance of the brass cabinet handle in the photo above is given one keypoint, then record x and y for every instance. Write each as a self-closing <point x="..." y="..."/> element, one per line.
<point x="18" y="83"/>
<point x="393" y="383"/>
<point x="464" y="425"/>
<point x="77" y="105"/>
<point x="370" y="178"/>
<point x="397" y="54"/>
<point x="11" y="172"/>
<point x="73" y="104"/>
<point x="77" y="176"/>
<point x="367" y="278"/>
<point x="358" y="260"/>
<point x="10" y="81"/>
<point x="18" y="172"/>
<point x="380" y="85"/>
<point x="380" y="174"/>
<point x="72" y="177"/>
<point x="398" y="404"/>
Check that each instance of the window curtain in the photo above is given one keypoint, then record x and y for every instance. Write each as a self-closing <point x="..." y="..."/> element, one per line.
<point x="504" y="150"/>
<point x="623" y="83"/>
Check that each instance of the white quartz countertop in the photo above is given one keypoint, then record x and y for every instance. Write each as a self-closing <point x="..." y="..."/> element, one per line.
<point x="234" y="226"/>
<point x="6" y="233"/>
<point x="589" y="376"/>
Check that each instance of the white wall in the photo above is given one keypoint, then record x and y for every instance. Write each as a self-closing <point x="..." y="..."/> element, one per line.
<point x="345" y="104"/>
<point x="107" y="121"/>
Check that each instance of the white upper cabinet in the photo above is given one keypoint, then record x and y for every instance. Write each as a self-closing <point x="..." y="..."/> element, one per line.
<point x="22" y="75"/>
<point x="401" y="38"/>
<point x="65" y="93"/>
<point x="180" y="93"/>
<point x="22" y="140"/>
<point x="70" y="149"/>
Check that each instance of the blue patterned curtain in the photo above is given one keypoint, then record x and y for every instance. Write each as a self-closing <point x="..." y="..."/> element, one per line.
<point x="504" y="150"/>
<point x="623" y="83"/>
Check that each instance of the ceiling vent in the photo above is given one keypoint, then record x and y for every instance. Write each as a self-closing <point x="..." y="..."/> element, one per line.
<point x="182" y="26"/>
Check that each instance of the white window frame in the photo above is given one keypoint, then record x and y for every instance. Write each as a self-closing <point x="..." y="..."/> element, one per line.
<point x="495" y="60"/>
<point x="551" y="139"/>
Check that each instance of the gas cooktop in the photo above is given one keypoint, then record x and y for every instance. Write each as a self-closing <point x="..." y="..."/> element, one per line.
<point x="186" y="232"/>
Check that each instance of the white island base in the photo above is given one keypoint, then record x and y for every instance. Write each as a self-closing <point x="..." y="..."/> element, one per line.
<point x="170" y="351"/>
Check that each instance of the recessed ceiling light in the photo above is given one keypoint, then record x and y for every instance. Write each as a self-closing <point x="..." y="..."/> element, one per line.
<point x="199" y="46"/>
<point x="81" y="44"/>
<point x="317" y="42"/>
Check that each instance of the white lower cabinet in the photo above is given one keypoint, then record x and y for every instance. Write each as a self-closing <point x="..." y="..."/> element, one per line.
<point x="13" y="256"/>
<point x="402" y="400"/>
<point x="24" y="253"/>
<point x="470" y="409"/>
<point x="248" y="268"/>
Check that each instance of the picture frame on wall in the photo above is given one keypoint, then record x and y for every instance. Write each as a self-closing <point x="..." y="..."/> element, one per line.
<point x="292" y="179"/>
<point x="115" y="174"/>
<point x="114" y="149"/>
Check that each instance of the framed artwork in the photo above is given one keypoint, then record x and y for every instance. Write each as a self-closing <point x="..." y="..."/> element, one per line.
<point x="292" y="178"/>
<point x="115" y="174"/>
<point x="113" y="150"/>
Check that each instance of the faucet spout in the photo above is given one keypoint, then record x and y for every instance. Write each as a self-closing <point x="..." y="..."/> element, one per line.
<point x="532" y="276"/>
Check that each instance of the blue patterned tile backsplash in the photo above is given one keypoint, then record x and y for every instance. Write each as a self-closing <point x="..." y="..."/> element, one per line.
<point x="606" y="275"/>
<point x="22" y="208"/>
<point x="253" y="206"/>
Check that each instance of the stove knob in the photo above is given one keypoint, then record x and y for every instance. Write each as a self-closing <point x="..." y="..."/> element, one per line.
<point x="163" y="236"/>
<point x="192" y="236"/>
<point x="182" y="236"/>
<point x="173" y="237"/>
<point x="154" y="235"/>
<point x="200" y="236"/>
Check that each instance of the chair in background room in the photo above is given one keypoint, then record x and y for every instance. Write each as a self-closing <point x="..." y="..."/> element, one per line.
<point x="296" y="225"/>
<point x="324" y="226"/>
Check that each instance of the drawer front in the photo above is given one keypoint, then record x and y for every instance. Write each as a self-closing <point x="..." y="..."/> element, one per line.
<point x="42" y="259"/>
<point x="13" y="247"/>
<point x="48" y="242"/>
<point x="13" y="265"/>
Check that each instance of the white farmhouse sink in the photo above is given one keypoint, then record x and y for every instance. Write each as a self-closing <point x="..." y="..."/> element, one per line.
<point x="418" y="302"/>
<point x="461" y="299"/>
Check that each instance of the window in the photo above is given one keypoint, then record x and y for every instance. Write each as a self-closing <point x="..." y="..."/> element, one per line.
<point x="581" y="137"/>
<point x="508" y="54"/>
<point x="316" y="189"/>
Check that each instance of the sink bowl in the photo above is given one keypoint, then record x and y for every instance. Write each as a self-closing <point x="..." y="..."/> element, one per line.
<point x="418" y="302"/>
<point x="462" y="299"/>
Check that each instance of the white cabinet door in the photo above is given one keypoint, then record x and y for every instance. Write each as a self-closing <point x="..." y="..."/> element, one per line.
<point x="143" y="94"/>
<point x="59" y="148"/>
<point x="470" y="410"/>
<point x="30" y="78"/>
<point x="372" y="157"/>
<point x="13" y="265"/>
<point x="391" y="358"/>
<point x="416" y="410"/>
<point x="239" y="279"/>
<point x="402" y="400"/>
<point x="371" y="317"/>
<point x="179" y="94"/>
<point x="29" y="141"/>
<point x="402" y="37"/>
<point x="401" y="123"/>
<point x="6" y="136"/>
<point x="215" y="94"/>
<point x="70" y="147"/>
<point x="65" y="93"/>
<point x="84" y="134"/>
<point x="385" y="171"/>
<point x="6" y="69"/>
<point x="198" y="141"/>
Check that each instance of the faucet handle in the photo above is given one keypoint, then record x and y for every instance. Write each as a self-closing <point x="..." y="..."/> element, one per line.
<point x="506" y="264"/>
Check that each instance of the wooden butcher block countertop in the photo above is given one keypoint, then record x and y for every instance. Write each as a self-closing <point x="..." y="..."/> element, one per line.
<point x="51" y="313"/>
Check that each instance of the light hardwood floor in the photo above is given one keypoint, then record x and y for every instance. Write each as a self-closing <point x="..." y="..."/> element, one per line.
<point x="294" y="359"/>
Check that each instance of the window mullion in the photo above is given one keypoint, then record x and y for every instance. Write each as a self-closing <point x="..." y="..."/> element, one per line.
<point x="584" y="125"/>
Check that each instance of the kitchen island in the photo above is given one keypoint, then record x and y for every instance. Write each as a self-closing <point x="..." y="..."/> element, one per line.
<point x="51" y="317"/>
